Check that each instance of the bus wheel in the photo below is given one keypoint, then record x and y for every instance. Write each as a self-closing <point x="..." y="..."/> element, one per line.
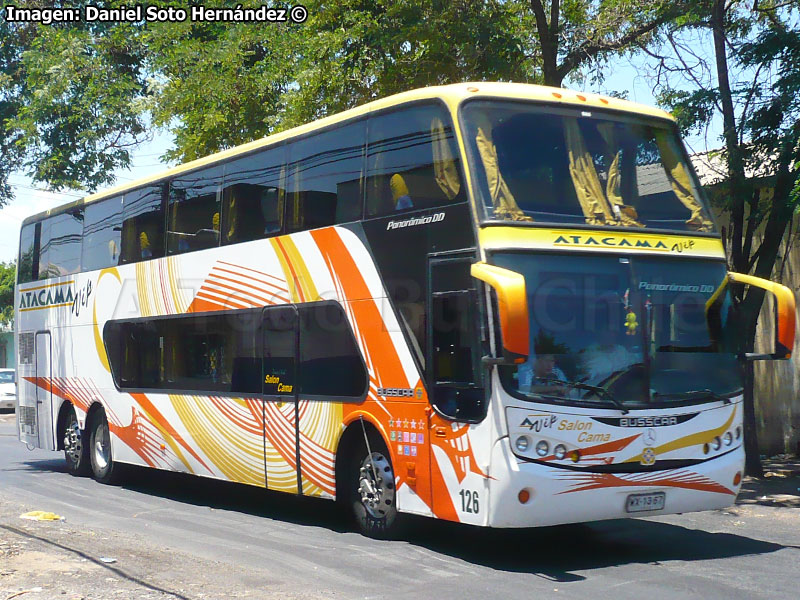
<point x="76" y="447"/>
<point x="373" y="489"/>
<point x="103" y="467"/>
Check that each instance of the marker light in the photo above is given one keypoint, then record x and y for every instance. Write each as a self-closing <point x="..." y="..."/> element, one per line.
<point x="560" y="451"/>
<point x="728" y="438"/>
<point x="575" y="456"/>
<point x="717" y="443"/>
<point x="738" y="432"/>
<point x="737" y="479"/>
<point x="523" y="496"/>
<point x="542" y="448"/>
<point x="522" y="443"/>
<point x="706" y="448"/>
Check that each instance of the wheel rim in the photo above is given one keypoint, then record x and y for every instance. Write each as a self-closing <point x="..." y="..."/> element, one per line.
<point x="102" y="447"/>
<point x="72" y="440"/>
<point x="376" y="485"/>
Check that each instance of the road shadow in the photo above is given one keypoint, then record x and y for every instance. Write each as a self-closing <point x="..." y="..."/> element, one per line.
<point x="780" y="485"/>
<point x="555" y="553"/>
<point x="558" y="552"/>
<point x="221" y="495"/>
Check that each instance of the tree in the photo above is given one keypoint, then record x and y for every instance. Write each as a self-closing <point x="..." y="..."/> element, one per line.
<point x="575" y="33"/>
<point x="751" y="82"/>
<point x="8" y="273"/>
<point x="222" y="85"/>
<point x="70" y="102"/>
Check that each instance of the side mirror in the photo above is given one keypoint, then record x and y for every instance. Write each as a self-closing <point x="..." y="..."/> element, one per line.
<point x="784" y="315"/>
<point x="512" y="304"/>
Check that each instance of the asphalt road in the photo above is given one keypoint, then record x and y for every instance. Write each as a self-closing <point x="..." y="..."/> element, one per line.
<point x="305" y="548"/>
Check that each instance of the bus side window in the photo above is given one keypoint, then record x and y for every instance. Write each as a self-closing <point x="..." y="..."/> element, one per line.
<point x="412" y="161"/>
<point x="193" y="219"/>
<point x="324" y="178"/>
<point x="102" y="234"/>
<point x="330" y="359"/>
<point x="253" y="198"/>
<point x="143" y="224"/>
<point x="28" y="262"/>
<point x="60" y="244"/>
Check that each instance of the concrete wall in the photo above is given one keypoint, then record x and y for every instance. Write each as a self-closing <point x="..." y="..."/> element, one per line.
<point x="777" y="383"/>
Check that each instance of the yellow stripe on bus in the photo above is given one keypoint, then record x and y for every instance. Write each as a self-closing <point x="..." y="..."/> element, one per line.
<point x="529" y="238"/>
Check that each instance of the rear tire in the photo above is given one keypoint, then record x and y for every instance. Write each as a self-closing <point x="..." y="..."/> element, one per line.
<point x="371" y="489"/>
<point x="76" y="446"/>
<point x="104" y="469"/>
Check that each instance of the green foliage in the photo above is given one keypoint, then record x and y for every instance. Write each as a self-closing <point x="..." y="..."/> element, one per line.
<point x="7" y="280"/>
<point x="79" y="118"/>
<point x="75" y="99"/>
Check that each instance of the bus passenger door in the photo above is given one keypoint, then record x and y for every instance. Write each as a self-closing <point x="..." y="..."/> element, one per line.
<point x="455" y="386"/>
<point x="44" y="395"/>
<point x="279" y="370"/>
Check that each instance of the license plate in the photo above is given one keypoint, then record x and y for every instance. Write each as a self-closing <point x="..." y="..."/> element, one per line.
<point x="644" y="502"/>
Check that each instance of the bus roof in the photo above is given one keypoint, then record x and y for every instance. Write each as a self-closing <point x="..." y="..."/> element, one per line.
<point x="451" y="94"/>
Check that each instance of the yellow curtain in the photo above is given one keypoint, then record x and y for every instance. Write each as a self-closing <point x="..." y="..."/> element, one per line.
<point x="590" y="193"/>
<point x="444" y="165"/>
<point x="680" y="181"/>
<point x="625" y="214"/>
<point x="505" y="207"/>
<point x="233" y="216"/>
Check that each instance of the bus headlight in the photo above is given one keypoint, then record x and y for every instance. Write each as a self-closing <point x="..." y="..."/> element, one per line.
<point x="523" y="443"/>
<point x="728" y="438"/>
<point x="717" y="443"/>
<point x="560" y="451"/>
<point x="542" y="448"/>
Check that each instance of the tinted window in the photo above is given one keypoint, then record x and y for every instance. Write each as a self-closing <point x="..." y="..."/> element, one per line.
<point x="330" y="360"/>
<point x="102" y="234"/>
<point x="143" y="224"/>
<point x="569" y="166"/>
<point x="206" y="352"/>
<point x="324" y="178"/>
<point x="412" y="161"/>
<point x="253" y="197"/>
<point x="193" y="219"/>
<point x="235" y="351"/>
<point x="28" y="263"/>
<point x="279" y="339"/>
<point x="60" y="245"/>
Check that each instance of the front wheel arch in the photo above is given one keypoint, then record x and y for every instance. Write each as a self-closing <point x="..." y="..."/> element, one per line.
<point x="356" y="485"/>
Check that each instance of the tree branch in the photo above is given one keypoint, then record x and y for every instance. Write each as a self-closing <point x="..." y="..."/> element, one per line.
<point x="589" y="49"/>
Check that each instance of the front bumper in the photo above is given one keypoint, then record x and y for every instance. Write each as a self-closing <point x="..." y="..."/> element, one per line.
<point x="558" y="495"/>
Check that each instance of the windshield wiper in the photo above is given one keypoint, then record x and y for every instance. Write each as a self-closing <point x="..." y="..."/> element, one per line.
<point x="600" y="391"/>
<point x="691" y="394"/>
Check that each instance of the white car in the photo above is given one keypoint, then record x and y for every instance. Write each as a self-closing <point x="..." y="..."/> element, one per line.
<point x="8" y="389"/>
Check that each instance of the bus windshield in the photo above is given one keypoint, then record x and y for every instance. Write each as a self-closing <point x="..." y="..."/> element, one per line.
<point x="625" y="331"/>
<point x="559" y="165"/>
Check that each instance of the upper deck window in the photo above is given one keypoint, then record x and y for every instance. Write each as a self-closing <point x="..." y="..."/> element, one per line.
<point x="412" y="161"/>
<point x="60" y="244"/>
<point x="28" y="263"/>
<point x="555" y="165"/>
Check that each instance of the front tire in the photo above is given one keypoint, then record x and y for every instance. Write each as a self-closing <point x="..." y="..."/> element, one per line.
<point x="371" y="484"/>
<point x="76" y="446"/>
<point x="104" y="469"/>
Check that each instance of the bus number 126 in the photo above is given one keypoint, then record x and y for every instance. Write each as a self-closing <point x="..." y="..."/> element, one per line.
<point x="469" y="501"/>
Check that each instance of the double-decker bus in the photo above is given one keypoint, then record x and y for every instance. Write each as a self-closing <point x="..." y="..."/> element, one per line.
<point x="496" y="304"/>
